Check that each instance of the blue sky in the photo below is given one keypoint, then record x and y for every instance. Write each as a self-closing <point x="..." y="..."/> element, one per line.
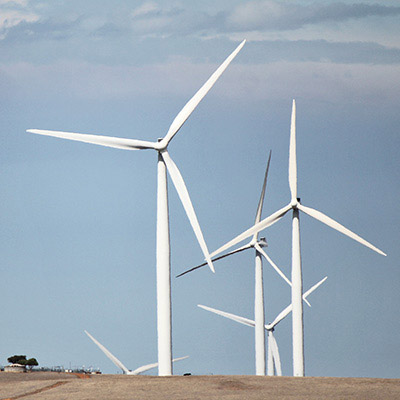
<point x="78" y="221"/>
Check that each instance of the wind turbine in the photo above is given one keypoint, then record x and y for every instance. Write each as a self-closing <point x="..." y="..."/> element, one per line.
<point x="119" y="364"/>
<point x="163" y="243"/>
<point x="274" y="361"/>
<point x="259" y="311"/>
<point x="295" y="206"/>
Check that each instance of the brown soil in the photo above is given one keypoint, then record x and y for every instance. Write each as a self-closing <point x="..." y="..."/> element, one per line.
<point x="59" y="386"/>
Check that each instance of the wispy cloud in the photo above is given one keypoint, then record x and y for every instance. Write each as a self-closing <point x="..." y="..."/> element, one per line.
<point x="165" y="21"/>
<point x="14" y="12"/>
<point x="156" y="20"/>
<point x="322" y="51"/>
<point x="27" y="32"/>
<point x="264" y="15"/>
<point x="272" y="15"/>
<point x="144" y="9"/>
<point x="13" y="3"/>
<point x="126" y="37"/>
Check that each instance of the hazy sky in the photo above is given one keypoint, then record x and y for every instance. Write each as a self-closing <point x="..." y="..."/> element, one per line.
<point x="77" y="236"/>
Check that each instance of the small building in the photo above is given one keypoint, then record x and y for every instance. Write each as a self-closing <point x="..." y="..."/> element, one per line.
<point x="15" y="368"/>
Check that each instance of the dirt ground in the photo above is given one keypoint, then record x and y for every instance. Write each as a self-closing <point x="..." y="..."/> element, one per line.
<point x="61" y="386"/>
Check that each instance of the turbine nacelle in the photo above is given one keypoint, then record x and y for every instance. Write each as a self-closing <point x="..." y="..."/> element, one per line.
<point x="262" y="242"/>
<point x="160" y="146"/>
<point x="295" y="202"/>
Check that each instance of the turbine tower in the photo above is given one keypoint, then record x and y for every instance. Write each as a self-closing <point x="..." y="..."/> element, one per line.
<point x="119" y="364"/>
<point x="163" y="243"/>
<point x="259" y="309"/>
<point x="274" y="361"/>
<point x="295" y="206"/>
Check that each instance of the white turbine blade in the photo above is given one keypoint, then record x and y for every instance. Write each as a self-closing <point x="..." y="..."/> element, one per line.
<point x="335" y="225"/>
<point x="187" y="204"/>
<point x="265" y="223"/>
<point x="261" y="202"/>
<point x="273" y="265"/>
<point x="292" y="156"/>
<point x="180" y="358"/>
<point x="275" y="355"/>
<point x="245" y="247"/>
<point x="270" y="368"/>
<point x="276" y="268"/>
<point x="309" y="291"/>
<point x="143" y="368"/>
<point x="284" y="313"/>
<point x="195" y="100"/>
<point x="108" y="141"/>
<point x="233" y="317"/>
<point x="147" y="367"/>
<point x="108" y="354"/>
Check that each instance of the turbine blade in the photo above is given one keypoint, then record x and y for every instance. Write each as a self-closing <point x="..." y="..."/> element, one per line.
<point x="335" y="225"/>
<point x="261" y="202"/>
<point x="187" y="204"/>
<point x="270" y="369"/>
<point x="108" y="354"/>
<point x="195" y="100"/>
<point x="247" y="246"/>
<point x="233" y="317"/>
<point x="284" y="313"/>
<point x="180" y="358"/>
<point x="275" y="355"/>
<point x="292" y="156"/>
<point x="143" y="368"/>
<point x="265" y="223"/>
<point x="309" y="291"/>
<point x="273" y="265"/>
<point x="147" y="367"/>
<point x="108" y="141"/>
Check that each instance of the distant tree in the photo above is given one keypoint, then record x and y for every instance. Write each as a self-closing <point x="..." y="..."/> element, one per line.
<point x="21" y="359"/>
<point x="32" y="362"/>
<point x="17" y="359"/>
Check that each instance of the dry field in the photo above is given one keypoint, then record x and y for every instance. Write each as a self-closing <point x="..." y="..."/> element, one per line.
<point x="60" y="386"/>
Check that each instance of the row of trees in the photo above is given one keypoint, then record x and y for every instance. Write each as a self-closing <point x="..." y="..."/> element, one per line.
<point x="30" y="363"/>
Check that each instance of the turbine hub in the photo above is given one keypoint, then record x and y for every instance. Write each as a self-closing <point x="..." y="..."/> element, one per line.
<point x="158" y="145"/>
<point x="294" y="203"/>
<point x="263" y="242"/>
